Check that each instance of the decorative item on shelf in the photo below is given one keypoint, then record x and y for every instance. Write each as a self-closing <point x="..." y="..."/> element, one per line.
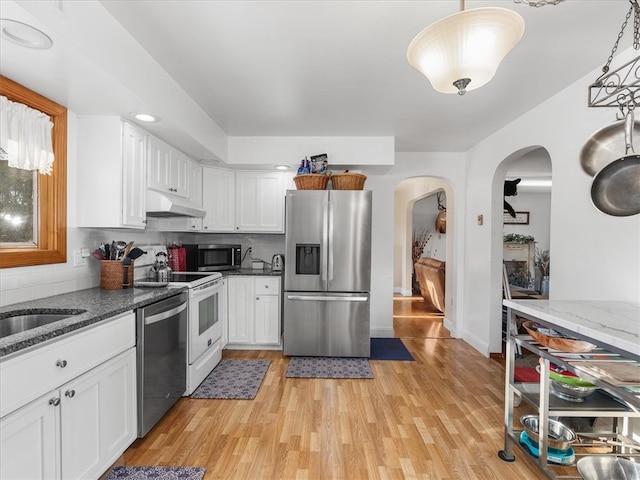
<point x="542" y="261"/>
<point x="518" y="238"/>
<point x="348" y="181"/>
<point x="441" y="219"/>
<point x="556" y="341"/>
<point x="313" y="174"/>
<point x="444" y="51"/>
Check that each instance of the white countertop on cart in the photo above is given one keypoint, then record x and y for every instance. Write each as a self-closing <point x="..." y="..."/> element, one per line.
<point x="613" y="323"/>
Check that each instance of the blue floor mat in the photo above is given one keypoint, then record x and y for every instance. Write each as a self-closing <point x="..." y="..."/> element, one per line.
<point x="389" y="349"/>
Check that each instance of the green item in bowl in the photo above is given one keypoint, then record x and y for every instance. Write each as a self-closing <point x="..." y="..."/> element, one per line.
<point x="568" y="379"/>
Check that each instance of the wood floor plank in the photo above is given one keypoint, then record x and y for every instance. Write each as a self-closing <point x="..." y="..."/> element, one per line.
<point x="437" y="418"/>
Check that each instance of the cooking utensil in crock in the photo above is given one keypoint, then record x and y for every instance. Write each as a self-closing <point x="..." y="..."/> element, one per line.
<point x="616" y="187"/>
<point x="605" y="145"/>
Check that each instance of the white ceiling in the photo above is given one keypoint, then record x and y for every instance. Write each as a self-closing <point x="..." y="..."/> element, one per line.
<point x="296" y="68"/>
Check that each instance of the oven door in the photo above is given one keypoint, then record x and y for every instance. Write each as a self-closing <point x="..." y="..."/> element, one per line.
<point x="205" y="318"/>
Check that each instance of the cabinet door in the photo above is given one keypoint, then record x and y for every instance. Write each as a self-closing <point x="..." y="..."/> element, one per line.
<point x="180" y="173"/>
<point x="98" y="417"/>
<point x="158" y="164"/>
<point x="134" y="150"/>
<point x="28" y="446"/>
<point x="259" y="202"/>
<point x="218" y="194"/>
<point x="240" y="309"/>
<point x="267" y="319"/>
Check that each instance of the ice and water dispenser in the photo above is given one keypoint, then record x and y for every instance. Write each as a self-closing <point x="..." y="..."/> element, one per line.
<point x="307" y="259"/>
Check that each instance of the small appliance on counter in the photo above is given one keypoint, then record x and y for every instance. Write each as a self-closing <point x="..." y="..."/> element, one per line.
<point x="277" y="263"/>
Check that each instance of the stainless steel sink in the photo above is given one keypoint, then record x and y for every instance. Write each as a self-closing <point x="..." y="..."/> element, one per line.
<point x="22" y="322"/>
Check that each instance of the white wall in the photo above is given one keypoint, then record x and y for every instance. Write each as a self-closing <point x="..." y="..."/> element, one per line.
<point x="595" y="256"/>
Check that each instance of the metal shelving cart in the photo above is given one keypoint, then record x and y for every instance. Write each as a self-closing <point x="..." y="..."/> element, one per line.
<point x="613" y="402"/>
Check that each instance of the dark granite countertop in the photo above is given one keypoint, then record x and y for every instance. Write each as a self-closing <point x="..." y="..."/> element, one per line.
<point x="267" y="272"/>
<point x="99" y="305"/>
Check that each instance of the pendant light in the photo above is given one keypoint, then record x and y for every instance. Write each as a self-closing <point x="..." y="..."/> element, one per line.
<point x="463" y="51"/>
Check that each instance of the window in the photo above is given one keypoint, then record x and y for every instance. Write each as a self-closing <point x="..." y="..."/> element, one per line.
<point x="43" y="237"/>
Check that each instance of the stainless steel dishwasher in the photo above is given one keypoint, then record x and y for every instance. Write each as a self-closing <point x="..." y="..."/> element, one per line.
<point x="162" y="358"/>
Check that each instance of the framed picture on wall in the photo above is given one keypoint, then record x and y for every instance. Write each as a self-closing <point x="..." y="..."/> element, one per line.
<point x="522" y="218"/>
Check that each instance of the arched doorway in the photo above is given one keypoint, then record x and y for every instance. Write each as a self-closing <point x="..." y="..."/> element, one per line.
<point x="523" y="240"/>
<point x="407" y="193"/>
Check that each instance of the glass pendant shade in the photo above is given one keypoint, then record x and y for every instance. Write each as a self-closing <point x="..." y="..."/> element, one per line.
<point x="463" y="51"/>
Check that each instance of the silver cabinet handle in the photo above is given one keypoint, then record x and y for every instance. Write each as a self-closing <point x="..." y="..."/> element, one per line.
<point x="54" y="401"/>
<point x="61" y="363"/>
<point x="70" y="393"/>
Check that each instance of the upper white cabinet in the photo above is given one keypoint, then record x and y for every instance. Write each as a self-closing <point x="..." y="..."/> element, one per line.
<point x="259" y="202"/>
<point x="111" y="172"/>
<point x="169" y="170"/>
<point x="218" y="199"/>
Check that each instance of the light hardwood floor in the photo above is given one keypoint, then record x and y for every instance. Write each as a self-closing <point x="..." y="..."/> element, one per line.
<point x="438" y="417"/>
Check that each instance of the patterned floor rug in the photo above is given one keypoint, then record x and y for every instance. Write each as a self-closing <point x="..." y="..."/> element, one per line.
<point x="389" y="349"/>
<point x="233" y="379"/>
<point x="328" y="367"/>
<point x="155" y="473"/>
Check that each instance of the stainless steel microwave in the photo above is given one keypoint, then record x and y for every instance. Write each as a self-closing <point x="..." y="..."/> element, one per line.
<point x="211" y="258"/>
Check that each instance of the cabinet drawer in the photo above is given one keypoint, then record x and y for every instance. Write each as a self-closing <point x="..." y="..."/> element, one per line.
<point x="267" y="286"/>
<point x="27" y="376"/>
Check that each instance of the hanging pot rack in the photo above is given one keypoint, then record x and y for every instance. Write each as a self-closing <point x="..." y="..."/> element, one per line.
<point x="620" y="88"/>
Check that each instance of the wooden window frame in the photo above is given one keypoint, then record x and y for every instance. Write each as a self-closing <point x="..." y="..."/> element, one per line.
<point x="52" y="189"/>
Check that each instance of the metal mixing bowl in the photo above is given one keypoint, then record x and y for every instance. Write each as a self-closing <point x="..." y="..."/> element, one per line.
<point x="608" y="468"/>
<point x="559" y="436"/>
<point x="571" y="393"/>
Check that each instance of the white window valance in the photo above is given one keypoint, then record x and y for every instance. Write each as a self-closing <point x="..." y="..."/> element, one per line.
<point x="25" y="137"/>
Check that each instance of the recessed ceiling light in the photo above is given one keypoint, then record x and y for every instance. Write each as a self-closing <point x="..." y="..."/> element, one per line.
<point x="282" y="167"/>
<point x="24" y="35"/>
<point x="145" y="117"/>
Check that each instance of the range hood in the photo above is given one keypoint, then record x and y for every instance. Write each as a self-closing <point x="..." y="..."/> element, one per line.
<point x="161" y="204"/>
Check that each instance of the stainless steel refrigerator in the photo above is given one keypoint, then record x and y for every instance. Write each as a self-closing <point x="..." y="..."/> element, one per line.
<point x="328" y="273"/>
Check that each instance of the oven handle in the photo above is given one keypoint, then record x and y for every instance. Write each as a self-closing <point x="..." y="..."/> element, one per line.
<point x="158" y="317"/>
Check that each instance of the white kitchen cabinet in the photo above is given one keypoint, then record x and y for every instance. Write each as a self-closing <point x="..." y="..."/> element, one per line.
<point x="69" y="407"/>
<point x="168" y="168"/>
<point x="218" y="199"/>
<point x="184" y="224"/>
<point x="111" y="170"/>
<point x="254" y="311"/>
<point x="260" y="202"/>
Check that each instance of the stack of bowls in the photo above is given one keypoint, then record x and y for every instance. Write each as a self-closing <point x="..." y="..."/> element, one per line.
<point x="559" y="436"/>
<point x="608" y="468"/>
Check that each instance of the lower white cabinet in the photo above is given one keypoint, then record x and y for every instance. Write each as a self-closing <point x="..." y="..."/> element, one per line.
<point x="254" y="311"/>
<point x="79" y="428"/>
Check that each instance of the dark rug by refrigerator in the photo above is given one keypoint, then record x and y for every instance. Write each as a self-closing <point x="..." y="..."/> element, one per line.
<point x="233" y="379"/>
<point x="389" y="349"/>
<point x="328" y="367"/>
<point x="155" y="473"/>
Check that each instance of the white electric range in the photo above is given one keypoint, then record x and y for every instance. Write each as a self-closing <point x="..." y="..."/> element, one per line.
<point x="205" y="307"/>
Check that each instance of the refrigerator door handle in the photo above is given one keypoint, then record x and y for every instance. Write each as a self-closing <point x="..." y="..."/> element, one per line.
<point x="324" y="248"/>
<point x="327" y="298"/>
<point x="330" y="233"/>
